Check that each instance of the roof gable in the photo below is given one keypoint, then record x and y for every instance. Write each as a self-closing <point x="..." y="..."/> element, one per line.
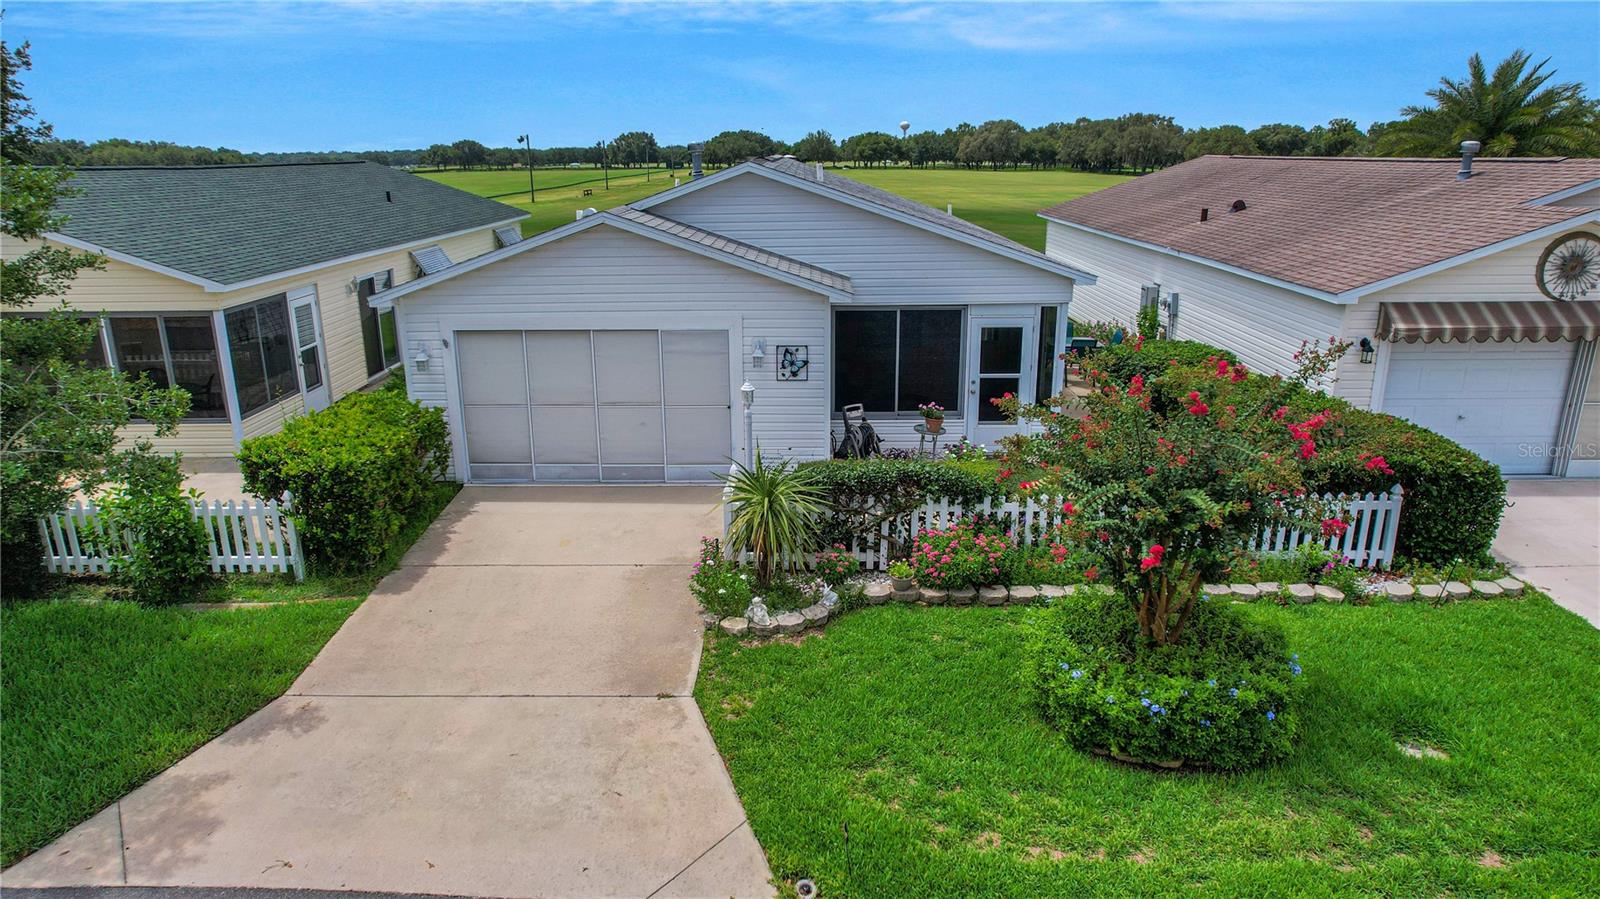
<point x="222" y="226"/>
<point x="723" y="249"/>
<point x="1333" y="226"/>
<point x="838" y="188"/>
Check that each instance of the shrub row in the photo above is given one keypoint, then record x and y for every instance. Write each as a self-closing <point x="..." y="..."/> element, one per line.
<point x="357" y="470"/>
<point x="1122" y="361"/>
<point x="1453" y="497"/>
<point x="862" y="493"/>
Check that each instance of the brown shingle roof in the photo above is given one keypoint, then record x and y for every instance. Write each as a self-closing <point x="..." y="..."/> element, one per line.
<point x="1332" y="224"/>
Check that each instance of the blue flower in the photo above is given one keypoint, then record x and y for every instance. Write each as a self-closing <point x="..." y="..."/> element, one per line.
<point x="1234" y="692"/>
<point x="1065" y="666"/>
<point x="1295" y="656"/>
<point x="1211" y="682"/>
<point x="1271" y="715"/>
<point x="1111" y="700"/>
<point x="1186" y="692"/>
<point x="1145" y="703"/>
<point x="1294" y="668"/>
<point x="1205" y="722"/>
<point x="1077" y="673"/>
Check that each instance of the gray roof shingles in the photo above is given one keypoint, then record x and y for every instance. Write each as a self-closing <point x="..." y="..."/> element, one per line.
<point x="748" y="252"/>
<point x="1332" y="224"/>
<point x="235" y="223"/>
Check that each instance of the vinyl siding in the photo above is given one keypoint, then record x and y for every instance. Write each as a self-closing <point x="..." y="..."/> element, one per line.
<point x="119" y="287"/>
<point x="607" y="278"/>
<point x="196" y="440"/>
<point x="1262" y="324"/>
<point x="888" y="261"/>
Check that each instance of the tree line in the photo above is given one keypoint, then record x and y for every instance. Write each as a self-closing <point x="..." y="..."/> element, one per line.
<point x="1513" y="111"/>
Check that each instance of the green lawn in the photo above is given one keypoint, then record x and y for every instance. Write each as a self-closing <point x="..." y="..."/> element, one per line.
<point x="98" y="696"/>
<point x="908" y="727"/>
<point x="1005" y="202"/>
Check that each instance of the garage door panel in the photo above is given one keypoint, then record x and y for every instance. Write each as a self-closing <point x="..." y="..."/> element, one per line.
<point x="490" y="368"/>
<point x="498" y="434"/>
<point x="1500" y="400"/>
<point x="695" y="366"/>
<point x="698" y="434"/>
<point x="560" y="370"/>
<point x="565" y="435"/>
<point x="630" y="435"/>
<point x="627" y="367"/>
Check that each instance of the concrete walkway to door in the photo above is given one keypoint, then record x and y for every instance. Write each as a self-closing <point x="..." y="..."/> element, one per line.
<point x="507" y="715"/>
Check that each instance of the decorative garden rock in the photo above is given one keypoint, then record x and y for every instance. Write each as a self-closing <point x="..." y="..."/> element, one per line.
<point x="815" y="615"/>
<point x="708" y="620"/>
<point x="1486" y="588"/>
<point x="910" y="595"/>
<point x="1457" y="590"/>
<point x="1268" y="587"/>
<point x="1399" y="591"/>
<point x="963" y="596"/>
<point x="1245" y="592"/>
<point x="791" y="623"/>
<point x="1053" y="592"/>
<point x="829" y="598"/>
<point x="1216" y="589"/>
<point x="770" y="629"/>
<point x="1329" y="594"/>
<point x="1303" y="593"/>
<point x="992" y="596"/>
<point x="1510" y="585"/>
<point x="735" y="627"/>
<point x="933" y="596"/>
<point x="1430" y="591"/>
<point x="1024" y="595"/>
<point x="878" y="594"/>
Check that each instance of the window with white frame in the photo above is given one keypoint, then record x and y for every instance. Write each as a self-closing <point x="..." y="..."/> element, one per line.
<point x="262" y="351"/>
<point x="172" y="351"/>
<point x="894" y="360"/>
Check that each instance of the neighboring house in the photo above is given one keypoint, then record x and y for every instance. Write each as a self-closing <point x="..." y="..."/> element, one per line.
<point x="1455" y="286"/>
<point x="271" y="265"/>
<point x="613" y="348"/>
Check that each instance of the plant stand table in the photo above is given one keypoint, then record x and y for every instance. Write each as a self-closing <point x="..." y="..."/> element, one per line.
<point x="924" y="437"/>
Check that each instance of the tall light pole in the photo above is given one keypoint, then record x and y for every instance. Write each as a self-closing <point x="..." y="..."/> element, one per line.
<point x="527" y="142"/>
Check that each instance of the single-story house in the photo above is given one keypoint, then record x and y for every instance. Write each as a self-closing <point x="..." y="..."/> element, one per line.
<point x="614" y="347"/>
<point x="247" y="284"/>
<point x="1469" y="288"/>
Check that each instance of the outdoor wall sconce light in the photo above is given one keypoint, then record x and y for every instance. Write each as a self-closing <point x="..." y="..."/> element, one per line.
<point x="758" y="350"/>
<point x="1367" y="351"/>
<point x="420" y="360"/>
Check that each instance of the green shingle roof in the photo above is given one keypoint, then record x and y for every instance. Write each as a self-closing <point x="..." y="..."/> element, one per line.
<point x="234" y="223"/>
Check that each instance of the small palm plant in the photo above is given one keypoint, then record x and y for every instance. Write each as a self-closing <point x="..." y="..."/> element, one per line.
<point x="776" y="512"/>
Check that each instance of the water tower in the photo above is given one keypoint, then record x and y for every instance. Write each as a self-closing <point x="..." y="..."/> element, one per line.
<point x="904" y="127"/>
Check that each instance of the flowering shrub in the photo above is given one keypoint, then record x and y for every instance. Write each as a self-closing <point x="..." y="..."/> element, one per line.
<point x="721" y="585"/>
<point x="1224" y="699"/>
<point x="963" y="555"/>
<point x="835" y="565"/>
<point x="1169" y="476"/>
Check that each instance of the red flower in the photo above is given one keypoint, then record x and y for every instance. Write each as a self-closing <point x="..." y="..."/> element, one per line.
<point x="1199" y="409"/>
<point x="1308" y="449"/>
<point x="1091" y="573"/>
<point x="1333" y="527"/>
<point x="1068" y="508"/>
<point x="1136" y="385"/>
<point x="1138" y="343"/>
<point x="1222" y="368"/>
<point x="1148" y="562"/>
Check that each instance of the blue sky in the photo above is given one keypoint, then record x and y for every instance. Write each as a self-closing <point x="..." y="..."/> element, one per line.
<point x="363" y="75"/>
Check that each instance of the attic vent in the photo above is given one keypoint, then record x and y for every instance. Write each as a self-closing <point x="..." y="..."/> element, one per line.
<point x="1204" y="213"/>
<point x="430" y="260"/>
<point x="508" y="235"/>
<point x="388" y="197"/>
<point x="1238" y="206"/>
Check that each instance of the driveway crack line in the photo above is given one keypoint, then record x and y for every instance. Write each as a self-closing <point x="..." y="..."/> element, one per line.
<point x="696" y="859"/>
<point x="122" y="844"/>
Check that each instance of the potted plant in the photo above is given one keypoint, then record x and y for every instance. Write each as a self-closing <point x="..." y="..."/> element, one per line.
<point x="932" y="417"/>
<point x="900" y="575"/>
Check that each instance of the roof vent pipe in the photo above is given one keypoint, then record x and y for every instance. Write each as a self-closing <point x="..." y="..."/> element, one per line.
<point x="1469" y="149"/>
<point x="1205" y="213"/>
<point x="819" y="173"/>
<point x="694" y="161"/>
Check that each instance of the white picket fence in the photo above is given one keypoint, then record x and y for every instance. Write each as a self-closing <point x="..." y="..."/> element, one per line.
<point x="248" y="535"/>
<point x="1369" y="542"/>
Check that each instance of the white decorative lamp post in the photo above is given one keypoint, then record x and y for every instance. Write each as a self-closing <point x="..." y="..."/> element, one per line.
<point x="747" y="394"/>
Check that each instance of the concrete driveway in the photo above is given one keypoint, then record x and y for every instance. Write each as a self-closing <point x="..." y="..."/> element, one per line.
<point x="1550" y="537"/>
<point x="507" y="715"/>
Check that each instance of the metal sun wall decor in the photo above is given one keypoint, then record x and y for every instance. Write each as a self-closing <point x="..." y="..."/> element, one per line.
<point x="794" y="362"/>
<point x="1570" y="267"/>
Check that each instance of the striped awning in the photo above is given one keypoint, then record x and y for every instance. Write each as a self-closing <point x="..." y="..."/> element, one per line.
<point x="1479" y="322"/>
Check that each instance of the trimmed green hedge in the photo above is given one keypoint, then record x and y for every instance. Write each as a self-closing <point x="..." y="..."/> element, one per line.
<point x="1122" y="361"/>
<point x="898" y="486"/>
<point x="356" y="470"/>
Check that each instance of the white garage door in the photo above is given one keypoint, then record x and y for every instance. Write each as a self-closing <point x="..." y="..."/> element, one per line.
<point x="1500" y="400"/>
<point x="595" y="405"/>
